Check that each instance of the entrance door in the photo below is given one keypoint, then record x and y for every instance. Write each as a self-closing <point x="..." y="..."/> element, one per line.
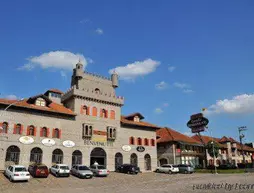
<point x="36" y="155"/>
<point x="118" y="160"/>
<point x="57" y="156"/>
<point x="12" y="155"/>
<point x="98" y="155"/>
<point x="76" y="157"/>
<point x="147" y="162"/>
<point x="134" y="159"/>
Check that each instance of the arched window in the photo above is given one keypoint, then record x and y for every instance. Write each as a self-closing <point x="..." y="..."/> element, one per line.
<point x="110" y="132"/>
<point x="18" y="129"/>
<point x="86" y="130"/>
<point x="85" y="110"/>
<point x="94" y="113"/>
<point x="5" y="127"/>
<point x="114" y="133"/>
<point x="44" y="132"/>
<point x="112" y="114"/>
<point x="134" y="159"/>
<point x="152" y="142"/>
<point x="146" y="141"/>
<point x="57" y="156"/>
<point x="56" y="133"/>
<point x="104" y="113"/>
<point x="97" y="91"/>
<point x="31" y="130"/>
<point x="139" y="141"/>
<point x="90" y="130"/>
<point x="132" y="141"/>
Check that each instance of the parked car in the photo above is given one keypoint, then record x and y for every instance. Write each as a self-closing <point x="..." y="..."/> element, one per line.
<point x="99" y="170"/>
<point x="186" y="168"/>
<point x="38" y="170"/>
<point x="81" y="171"/>
<point x="60" y="170"/>
<point x="17" y="173"/>
<point x="227" y="166"/>
<point x="128" y="169"/>
<point x="167" y="168"/>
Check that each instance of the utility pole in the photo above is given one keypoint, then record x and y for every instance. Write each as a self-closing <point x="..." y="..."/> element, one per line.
<point x="241" y="136"/>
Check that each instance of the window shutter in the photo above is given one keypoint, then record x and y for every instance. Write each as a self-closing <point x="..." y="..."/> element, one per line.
<point x="60" y="133"/>
<point x="21" y="129"/>
<point x="101" y="113"/>
<point x="27" y="130"/>
<point x="15" y="129"/>
<point x="81" y="110"/>
<point x="53" y="132"/>
<point x="41" y="132"/>
<point x="35" y="131"/>
<point x="47" y="132"/>
<point x="106" y="113"/>
<point x="88" y="111"/>
<point x="1" y="125"/>
<point x="130" y="140"/>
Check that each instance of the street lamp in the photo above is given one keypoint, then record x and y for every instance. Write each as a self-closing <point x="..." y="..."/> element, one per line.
<point x="13" y="104"/>
<point x="241" y="136"/>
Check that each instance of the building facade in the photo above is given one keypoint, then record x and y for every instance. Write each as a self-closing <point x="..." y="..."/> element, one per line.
<point x="176" y="148"/>
<point x="80" y="126"/>
<point x="230" y="151"/>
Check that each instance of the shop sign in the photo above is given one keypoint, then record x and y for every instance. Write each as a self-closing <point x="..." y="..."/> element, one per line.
<point x="48" y="142"/>
<point x="97" y="143"/>
<point x="197" y="123"/>
<point x="68" y="143"/>
<point x="126" y="148"/>
<point x="26" y="140"/>
<point x="140" y="149"/>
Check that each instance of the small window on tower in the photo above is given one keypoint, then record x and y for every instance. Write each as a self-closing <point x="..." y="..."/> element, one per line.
<point x="97" y="91"/>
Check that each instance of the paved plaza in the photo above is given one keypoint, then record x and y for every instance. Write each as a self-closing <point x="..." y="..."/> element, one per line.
<point x="123" y="183"/>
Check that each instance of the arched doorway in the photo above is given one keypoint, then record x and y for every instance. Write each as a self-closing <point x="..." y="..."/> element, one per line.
<point x="57" y="156"/>
<point x="12" y="155"/>
<point x="134" y="159"/>
<point x="76" y="157"/>
<point x="36" y="155"/>
<point x="99" y="155"/>
<point x="163" y="161"/>
<point x="118" y="160"/>
<point x="147" y="162"/>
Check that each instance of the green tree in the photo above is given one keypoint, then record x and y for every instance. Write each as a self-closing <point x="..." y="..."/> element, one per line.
<point x="213" y="151"/>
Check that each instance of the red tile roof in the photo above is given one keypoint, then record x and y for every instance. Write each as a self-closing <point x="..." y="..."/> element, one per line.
<point x="167" y="135"/>
<point x="140" y="123"/>
<point x="52" y="107"/>
<point x="206" y="139"/>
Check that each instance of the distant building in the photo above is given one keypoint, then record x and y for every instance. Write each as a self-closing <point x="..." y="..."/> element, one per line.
<point x="176" y="148"/>
<point x="229" y="151"/>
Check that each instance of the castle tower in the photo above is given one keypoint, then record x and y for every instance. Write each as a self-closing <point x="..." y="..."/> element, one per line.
<point x="114" y="79"/>
<point x="78" y="73"/>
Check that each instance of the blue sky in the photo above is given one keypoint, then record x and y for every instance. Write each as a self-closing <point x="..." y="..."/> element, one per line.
<point x="173" y="57"/>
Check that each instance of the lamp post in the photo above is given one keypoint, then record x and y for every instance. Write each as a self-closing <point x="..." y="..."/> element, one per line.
<point x="214" y="158"/>
<point x="12" y="104"/>
<point x="241" y="136"/>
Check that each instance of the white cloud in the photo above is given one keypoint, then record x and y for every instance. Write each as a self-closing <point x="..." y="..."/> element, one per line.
<point x="11" y="97"/>
<point x="162" y="85"/>
<point x="188" y="133"/>
<point x="136" y="69"/>
<point x="237" y="105"/>
<point x="99" y="31"/>
<point x="27" y="67"/>
<point x="171" y="68"/>
<point x="89" y="60"/>
<point x="158" y="110"/>
<point x="181" y="85"/>
<point x="54" y="59"/>
<point x="188" y="91"/>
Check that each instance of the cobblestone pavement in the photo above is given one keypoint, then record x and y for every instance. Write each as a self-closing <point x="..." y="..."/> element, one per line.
<point x="123" y="183"/>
